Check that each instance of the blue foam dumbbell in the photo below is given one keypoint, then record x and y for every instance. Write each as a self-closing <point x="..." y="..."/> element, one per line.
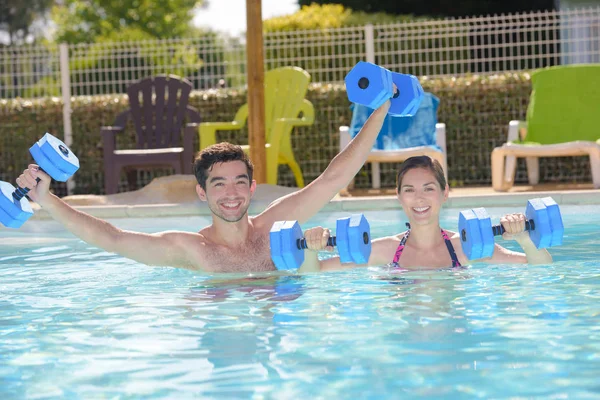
<point x="406" y="104"/>
<point x="543" y="222"/>
<point x="353" y="241"/>
<point x="54" y="158"/>
<point x="371" y="85"/>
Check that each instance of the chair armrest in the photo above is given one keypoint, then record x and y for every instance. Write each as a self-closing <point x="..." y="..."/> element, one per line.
<point x="440" y="138"/>
<point x="193" y="114"/>
<point x="514" y="127"/>
<point x="510" y="163"/>
<point x="109" y="134"/>
<point x="308" y="114"/>
<point x="112" y="129"/>
<point x="241" y="115"/>
<point x="189" y="133"/>
<point x="344" y="136"/>
<point x="207" y="133"/>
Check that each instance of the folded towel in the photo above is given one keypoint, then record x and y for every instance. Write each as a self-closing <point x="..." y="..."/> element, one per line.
<point x="402" y="132"/>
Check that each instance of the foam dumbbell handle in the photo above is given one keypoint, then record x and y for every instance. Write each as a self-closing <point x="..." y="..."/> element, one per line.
<point x="301" y="243"/>
<point x="331" y="241"/>
<point x="498" y="230"/>
<point x="20" y="192"/>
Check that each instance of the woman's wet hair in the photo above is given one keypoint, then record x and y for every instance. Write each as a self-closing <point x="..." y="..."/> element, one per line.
<point x="219" y="153"/>
<point x="424" y="162"/>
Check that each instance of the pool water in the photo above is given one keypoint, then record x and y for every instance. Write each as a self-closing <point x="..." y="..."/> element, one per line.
<point x="77" y="322"/>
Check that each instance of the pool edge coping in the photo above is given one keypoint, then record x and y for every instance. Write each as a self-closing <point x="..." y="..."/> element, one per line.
<point x="366" y="203"/>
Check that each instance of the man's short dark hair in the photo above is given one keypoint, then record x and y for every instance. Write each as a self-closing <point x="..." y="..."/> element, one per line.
<point x="219" y="153"/>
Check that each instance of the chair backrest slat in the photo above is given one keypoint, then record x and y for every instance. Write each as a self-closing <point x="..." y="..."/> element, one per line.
<point x="149" y="136"/>
<point x="285" y="90"/>
<point x="158" y="109"/>
<point x="160" y="83"/>
<point x="180" y="111"/>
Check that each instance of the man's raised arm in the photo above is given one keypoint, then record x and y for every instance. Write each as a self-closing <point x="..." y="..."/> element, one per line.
<point x="151" y="249"/>
<point x="305" y="203"/>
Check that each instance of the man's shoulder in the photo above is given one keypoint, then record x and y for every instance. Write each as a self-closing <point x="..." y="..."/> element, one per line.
<point x="183" y="235"/>
<point x="261" y="222"/>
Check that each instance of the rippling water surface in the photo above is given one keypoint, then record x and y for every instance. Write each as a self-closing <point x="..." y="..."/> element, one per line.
<point x="77" y="322"/>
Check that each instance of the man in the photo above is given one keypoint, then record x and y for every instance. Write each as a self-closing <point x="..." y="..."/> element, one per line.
<point x="234" y="242"/>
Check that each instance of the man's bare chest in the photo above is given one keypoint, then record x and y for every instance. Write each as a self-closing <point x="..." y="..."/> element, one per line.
<point x="253" y="256"/>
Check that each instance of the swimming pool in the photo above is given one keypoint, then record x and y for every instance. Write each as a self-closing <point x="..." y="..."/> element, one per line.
<point x="77" y="322"/>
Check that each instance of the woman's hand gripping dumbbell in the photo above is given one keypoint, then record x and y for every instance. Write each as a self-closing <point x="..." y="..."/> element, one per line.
<point x="542" y="221"/>
<point x="353" y="241"/>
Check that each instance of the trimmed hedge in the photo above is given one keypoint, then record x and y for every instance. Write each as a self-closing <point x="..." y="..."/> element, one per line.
<point x="476" y="110"/>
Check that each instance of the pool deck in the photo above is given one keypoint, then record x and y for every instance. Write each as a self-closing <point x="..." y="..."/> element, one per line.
<point x="175" y="197"/>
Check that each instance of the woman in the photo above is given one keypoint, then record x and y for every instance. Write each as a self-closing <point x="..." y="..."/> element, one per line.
<point x="422" y="189"/>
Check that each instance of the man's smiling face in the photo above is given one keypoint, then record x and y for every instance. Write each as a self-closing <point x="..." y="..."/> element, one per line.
<point x="228" y="190"/>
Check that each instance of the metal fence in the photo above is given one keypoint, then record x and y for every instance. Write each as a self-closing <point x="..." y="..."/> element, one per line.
<point x="434" y="48"/>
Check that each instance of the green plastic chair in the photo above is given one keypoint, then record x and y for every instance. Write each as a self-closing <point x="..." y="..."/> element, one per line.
<point x="562" y="120"/>
<point x="285" y="89"/>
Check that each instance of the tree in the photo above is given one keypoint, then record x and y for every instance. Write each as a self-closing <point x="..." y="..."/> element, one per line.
<point x="441" y="8"/>
<point x="18" y="16"/>
<point x="89" y="20"/>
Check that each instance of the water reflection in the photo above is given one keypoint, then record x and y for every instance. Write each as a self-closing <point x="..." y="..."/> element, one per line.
<point x="239" y="340"/>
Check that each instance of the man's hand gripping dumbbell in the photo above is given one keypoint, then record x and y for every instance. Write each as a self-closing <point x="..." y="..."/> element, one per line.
<point x="353" y="240"/>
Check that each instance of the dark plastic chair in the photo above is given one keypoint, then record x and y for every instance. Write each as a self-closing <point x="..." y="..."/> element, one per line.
<point x="158" y="108"/>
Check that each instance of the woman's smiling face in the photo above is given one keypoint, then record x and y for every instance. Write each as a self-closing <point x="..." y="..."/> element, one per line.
<point x="421" y="196"/>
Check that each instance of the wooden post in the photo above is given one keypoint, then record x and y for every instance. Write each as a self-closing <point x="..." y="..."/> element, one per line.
<point x="256" y="89"/>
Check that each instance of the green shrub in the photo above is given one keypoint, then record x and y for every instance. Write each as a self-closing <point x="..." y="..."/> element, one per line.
<point x="476" y="110"/>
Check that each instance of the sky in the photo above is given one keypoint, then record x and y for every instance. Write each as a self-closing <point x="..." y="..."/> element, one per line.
<point x="230" y="15"/>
